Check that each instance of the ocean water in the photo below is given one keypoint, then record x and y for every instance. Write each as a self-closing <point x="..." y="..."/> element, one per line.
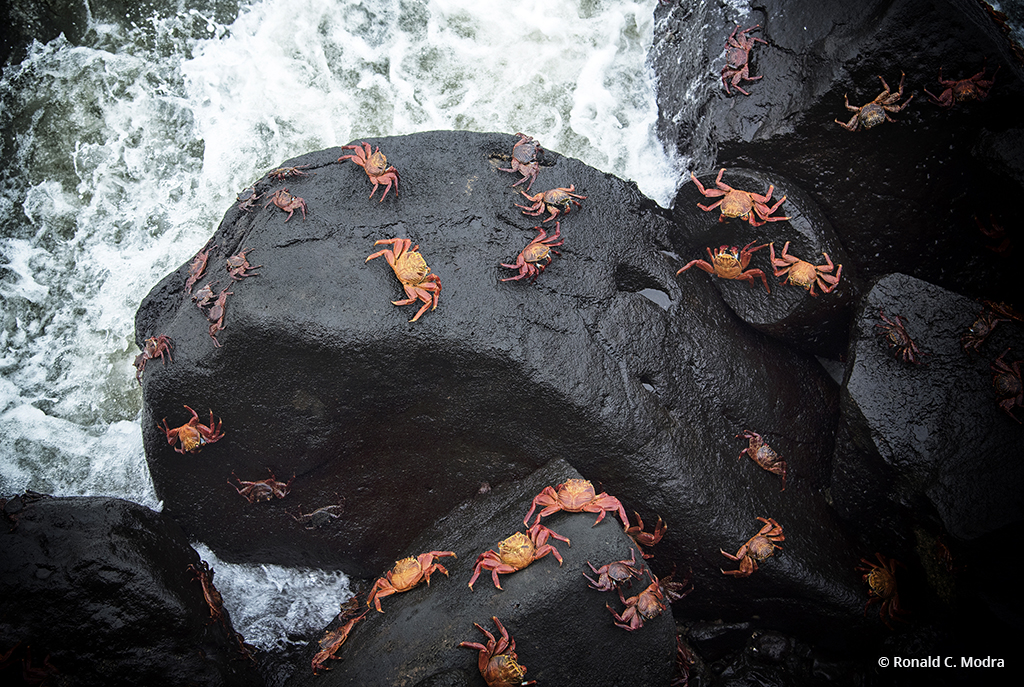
<point x="121" y="154"/>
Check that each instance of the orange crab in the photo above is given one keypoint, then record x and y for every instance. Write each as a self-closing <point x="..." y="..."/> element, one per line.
<point x="530" y="262"/>
<point x="332" y="641"/>
<point x="517" y="552"/>
<point x="877" y="111"/>
<point x="762" y="454"/>
<point x="743" y="204"/>
<point x="801" y="273"/>
<point x="641" y="538"/>
<point x="646" y="605"/>
<point x="193" y="435"/>
<point x="556" y="201"/>
<point x="575" y="496"/>
<point x="411" y="269"/>
<point x="155" y="347"/>
<point x="497" y="661"/>
<point x="760" y="547"/>
<point x="730" y="262"/>
<point x="407" y="573"/>
<point x="375" y="165"/>
<point x="881" y="579"/>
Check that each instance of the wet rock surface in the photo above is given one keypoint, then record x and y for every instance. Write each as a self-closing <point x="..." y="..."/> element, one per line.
<point x="98" y="591"/>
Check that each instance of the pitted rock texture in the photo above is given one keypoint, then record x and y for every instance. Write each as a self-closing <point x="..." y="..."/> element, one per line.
<point x="606" y="361"/>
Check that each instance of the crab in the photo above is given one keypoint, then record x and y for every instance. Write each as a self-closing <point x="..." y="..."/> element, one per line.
<point x="881" y="579"/>
<point x="898" y="337"/>
<point x="192" y="435"/>
<point x="524" y="159"/>
<point x="282" y="173"/>
<point x="760" y="547"/>
<point x="991" y="314"/>
<point x="877" y="111"/>
<point x="641" y="538"/>
<point x="264" y="489"/>
<point x="530" y="262"/>
<point x="497" y="661"/>
<point x="287" y="202"/>
<point x="247" y="198"/>
<point x="674" y="591"/>
<point x="517" y="552"/>
<point x="762" y="454"/>
<point x="1006" y="380"/>
<point x="556" y="201"/>
<point x="646" y="605"/>
<point x="376" y="167"/>
<point x="963" y="90"/>
<point x="412" y="271"/>
<point x="407" y="574"/>
<point x="730" y="262"/>
<point x="196" y="269"/>
<point x="737" y="54"/>
<point x="154" y="347"/>
<point x="216" y="314"/>
<point x="321" y="516"/>
<point x="204" y="574"/>
<point x="995" y="232"/>
<point x="743" y="204"/>
<point x="575" y="496"/>
<point x="332" y="641"/>
<point x="801" y="273"/>
<point x="614" y="574"/>
<point x="237" y="266"/>
<point x="204" y="296"/>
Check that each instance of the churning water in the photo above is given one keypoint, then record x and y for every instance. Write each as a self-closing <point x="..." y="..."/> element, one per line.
<point x="122" y="153"/>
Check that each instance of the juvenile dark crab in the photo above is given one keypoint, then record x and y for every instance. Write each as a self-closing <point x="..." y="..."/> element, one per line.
<point x="238" y="266"/>
<point x="497" y="661"/>
<point x="758" y="548"/>
<point x="895" y="332"/>
<point x="730" y="262"/>
<point x="641" y="538"/>
<point x="803" y="273"/>
<point x="530" y="262"/>
<point x="556" y="201"/>
<point x="215" y="314"/>
<point x="196" y="270"/>
<point x="1006" y="380"/>
<point x="877" y="111"/>
<point x="282" y="173"/>
<point x="614" y="574"/>
<point x="524" y="159"/>
<point x="204" y="574"/>
<point x="646" y="605"/>
<point x="737" y="56"/>
<point x="287" y="202"/>
<point x="516" y="552"/>
<point x="192" y="435"/>
<point x="963" y="90"/>
<point x="264" y="489"/>
<point x="881" y="579"/>
<point x="743" y="204"/>
<point x="376" y="167"/>
<point x="991" y="314"/>
<point x="154" y="347"/>
<point x="332" y="641"/>
<point x="762" y="454"/>
<point x="247" y="198"/>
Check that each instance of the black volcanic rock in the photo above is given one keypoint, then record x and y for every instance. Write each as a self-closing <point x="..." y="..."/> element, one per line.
<point x="98" y="591"/>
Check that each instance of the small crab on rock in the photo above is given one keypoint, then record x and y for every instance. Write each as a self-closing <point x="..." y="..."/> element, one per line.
<point x="238" y="266"/>
<point x="762" y="454"/>
<point x="407" y="573"/>
<point x="758" y="548"/>
<point x="497" y="661"/>
<point x="745" y="205"/>
<point x="804" y="274"/>
<point x="737" y="56"/>
<point x="647" y="605"/>
<point x="895" y="332"/>
<point x="730" y="262"/>
<point x="332" y="641"/>
<point x="412" y="271"/>
<point x="1006" y="380"/>
<point x="524" y="159"/>
<point x="557" y="201"/>
<point x="154" y="347"/>
<point x="963" y="90"/>
<point x="287" y="202"/>
<point x="641" y="538"/>
<point x="264" y="489"/>
<point x="516" y="552"/>
<point x="575" y="496"/>
<point x="530" y="261"/>
<point x="881" y="579"/>
<point x="192" y="435"/>
<point x="196" y="269"/>
<point x="614" y="574"/>
<point x="375" y="165"/>
<point x="215" y="315"/>
<point x="991" y="314"/>
<point x="877" y="111"/>
<point x="282" y="173"/>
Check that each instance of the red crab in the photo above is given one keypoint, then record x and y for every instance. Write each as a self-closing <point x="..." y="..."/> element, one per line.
<point x="412" y="271"/>
<point x="196" y="269"/>
<point x="288" y="203"/>
<point x="1007" y="382"/>
<point x="898" y="338"/>
<point x="803" y="273"/>
<point x="216" y="315"/>
<point x="760" y="547"/>
<point x="614" y="574"/>
<point x="204" y="296"/>
<point x="991" y="314"/>
<point x="263" y="490"/>
<point x="743" y="204"/>
<point x="556" y="201"/>
<point x="155" y="347"/>
<point x="646" y="605"/>
<point x="961" y="91"/>
<point x="193" y="435"/>
<point x="530" y="262"/>
<point x="376" y="167"/>
<point x="762" y="454"/>
<point x="524" y="159"/>
<point x="407" y="573"/>
<point x="881" y="579"/>
<point x="204" y="574"/>
<point x="332" y="641"/>
<point x="730" y="262"/>
<point x="282" y="173"/>
<point x="575" y="496"/>
<point x="237" y="266"/>
<point x="641" y="538"/>
<point x="516" y="552"/>
<point x="877" y="111"/>
<point x="737" y="54"/>
<point x="497" y="661"/>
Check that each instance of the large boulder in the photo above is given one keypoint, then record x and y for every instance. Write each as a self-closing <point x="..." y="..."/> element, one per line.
<point x="98" y="591"/>
<point x="641" y="385"/>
